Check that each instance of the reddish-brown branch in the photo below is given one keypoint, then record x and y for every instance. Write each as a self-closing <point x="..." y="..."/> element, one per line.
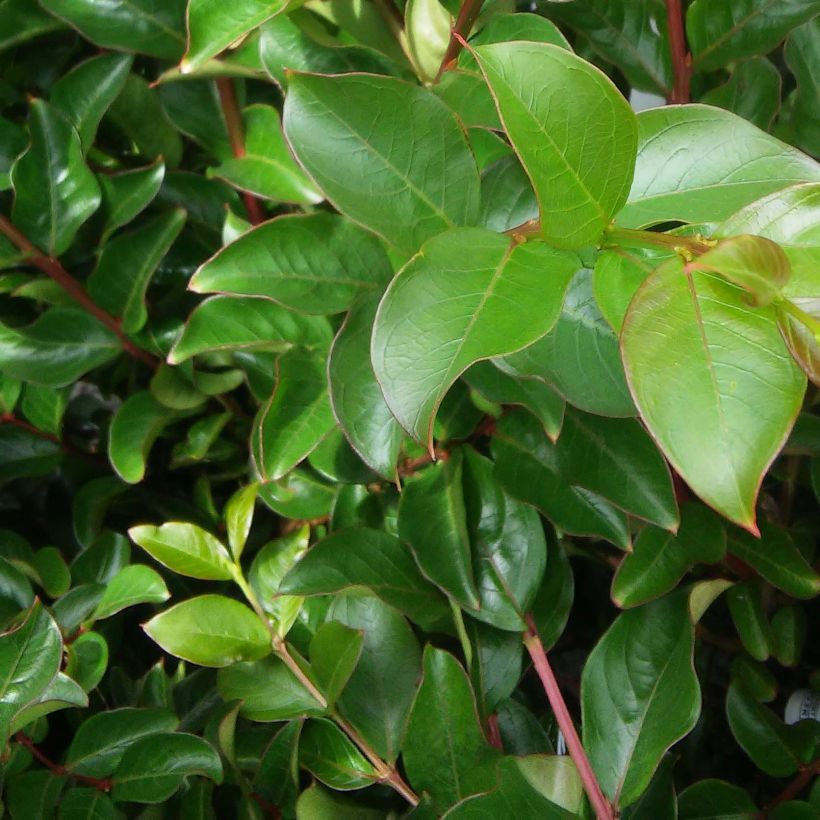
<point x="52" y="267"/>
<point x="494" y="733"/>
<point x="801" y="780"/>
<point x="58" y="769"/>
<point x="467" y="15"/>
<point x="236" y="135"/>
<point x="601" y="806"/>
<point x="681" y="59"/>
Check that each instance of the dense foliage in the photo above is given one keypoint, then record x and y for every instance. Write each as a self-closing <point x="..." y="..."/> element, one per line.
<point x="406" y="412"/>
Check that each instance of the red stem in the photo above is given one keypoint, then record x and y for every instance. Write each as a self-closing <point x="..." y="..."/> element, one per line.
<point x="467" y="15"/>
<point x="236" y="135"/>
<point x="61" y="771"/>
<point x="681" y="59"/>
<point x="52" y="267"/>
<point x="603" y="809"/>
<point x="802" y="779"/>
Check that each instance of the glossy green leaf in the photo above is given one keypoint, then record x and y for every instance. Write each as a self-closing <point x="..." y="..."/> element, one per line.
<point x="87" y="660"/>
<point x="616" y="278"/>
<point x="55" y="192"/>
<point x="580" y="358"/>
<point x="355" y="395"/>
<point x="86" y="803"/>
<point x="153" y="768"/>
<point x="360" y="556"/>
<point x="24" y="454"/>
<point x="469" y="295"/>
<point x="713" y="382"/>
<point x="721" y="34"/>
<point x="327" y="753"/>
<point x="30" y="656"/>
<point x="85" y="93"/>
<point x="126" y="194"/>
<point x="212" y="26"/>
<point x="639" y="694"/>
<point x="52" y="572"/>
<point x="803" y="58"/>
<point x="445" y="748"/>
<point x="316" y="803"/>
<point x="788" y="634"/>
<point x="239" y="517"/>
<point x="267" y="168"/>
<point x="268" y="691"/>
<point x="33" y="794"/>
<point x="245" y="323"/>
<point x="210" y="630"/>
<point x="673" y="183"/>
<point x="296" y="417"/>
<point x="300" y="495"/>
<point x="617" y="459"/>
<point x="20" y="20"/>
<point x="145" y="26"/>
<point x="186" y="549"/>
<point x="659" y="559"/>
<point x="508" y="546"/>
<point x="543" y="93"/>
<point x="44" y="407"/>
<point x="777" y="559"/>
<point x="527" y="467"/>
<point x="100" y="742"/>
<point x="715" y="800"/>
<point x="746" y="607"/>
<point x="134" y="584"/>
<point x="432" y="520"/>
<point x="752" y="92"/>
<point x="61" y="693"/>
<point x="379" y="694"/>
<point x="773" y="746"/>
<point x="334" y="652"/>
<point x="502" y="28"/>
<point x="507" y="197"/>
<point x="312" y="264"/>
<point x="755" y="677"/>
<point x="134" y="429"/>
<point x="119" y="281"/>
<point x="350" y="134"/>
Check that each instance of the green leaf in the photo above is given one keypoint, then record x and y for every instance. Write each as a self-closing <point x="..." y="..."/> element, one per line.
<point x="239" y="517"/>
<point x="350" y="133"/>
<point x="776" y="558"/>
<point x="186" y="549"/>
<point x="268" y="691"/>
<point x="503" y="28"/>
<point x="427" y="26"/>
<point x="788" y="635"/>
<point x="135" y="427"/>
<point x="355" y="395"/>
<point x="30" y="656"/>
<point x="514" y="795"/>
<point x="62" y="693"/>
<point x="715" y="800"/>
<point x="508" y="547"/>
<point x="87" y="660"/>
<point x="326" y="752"/>
<point x="126" y="194"/>
<point x="507" y="197"/>
<point x="244" y="323"/>
<point x="379" y="694"/>
<point x="34" y="794"/>
<point x="580" y="358"/>
<point x="270" y="565"/>
<point x="100" y="742"/>
<point x="527" y="467"/>
<point x="616" y="278"/>
<point x="752" y="92"/>
<point x="544" y="95"/>
<point x="120" y="280"/>
<point x="714" y="384"/>
<point x="212" y="26"/>
<point x="772" y="746"/>
<point x="267" y="168"/>
<point x="360" y="556"/>
<point x="659" y="559"/>
<point x="52" y="572"/>
<point x="466" y="93"/>
<point x="312" y="264"/>
<point x="617" y="459"/>
<point x="469" y="295"/>
<point x="210" y="630"/>
<point x="445" y="751"/>
<point x="632" y="34"/>
<point x="86" y="803"/>
<point x="673" y="183"/>
<point x="721" y="34"/>
<point x="334" y="652"/>
<point x="21" y="20"/>
<point x="153" y="768"/>
<point x="639" y="694"/>
<point x="85" y="93"/>
<point x="55" y="193"/>
<point x="44" y="407"/>
<point x="134" y="584"/>
<point x="432" y="520"/>
<point x="296" y="417"/>
<point x="316" y="803"/>
<point x="25" y="454"/>
<point x="803" y="59"/>
<point x="144" y="26"/>
<point x="540" y="399"/>
<point x="300" y="495"/>
<point x="553" y="601"/>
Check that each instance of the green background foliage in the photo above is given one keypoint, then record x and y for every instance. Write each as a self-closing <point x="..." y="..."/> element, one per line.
<point x="409" y="409"/>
